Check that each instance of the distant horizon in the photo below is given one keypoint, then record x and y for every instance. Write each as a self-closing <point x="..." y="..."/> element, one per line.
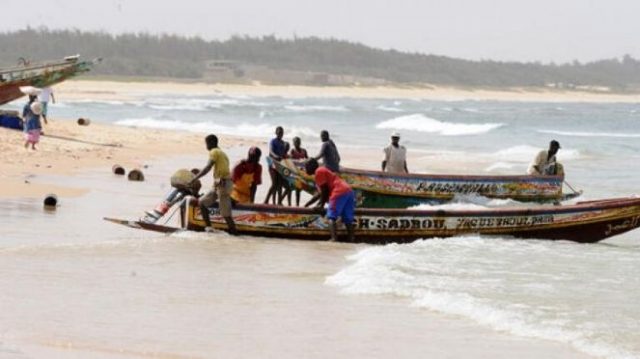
<point x="502" y="30"/>
<point x="293" y="37"/>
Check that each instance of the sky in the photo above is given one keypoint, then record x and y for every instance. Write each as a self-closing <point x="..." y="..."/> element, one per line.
<point x="505" y="30"/>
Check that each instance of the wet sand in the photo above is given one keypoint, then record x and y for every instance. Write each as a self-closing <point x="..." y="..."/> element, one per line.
<point x="75" y="286"/>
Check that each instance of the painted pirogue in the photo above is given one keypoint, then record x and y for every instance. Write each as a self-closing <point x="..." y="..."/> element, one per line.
<point x="585" y="222"/>
<point x="39" y="75"/>
<point x="384" y="190"/>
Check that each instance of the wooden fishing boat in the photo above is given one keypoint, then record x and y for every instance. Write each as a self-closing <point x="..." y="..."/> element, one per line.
<point x="383" y="190"/>
<point x="39" y="75"/>
<point x="585" y="222"/>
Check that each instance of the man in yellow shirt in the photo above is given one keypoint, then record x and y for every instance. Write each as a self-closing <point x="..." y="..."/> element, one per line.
<point x="222" y="185"/>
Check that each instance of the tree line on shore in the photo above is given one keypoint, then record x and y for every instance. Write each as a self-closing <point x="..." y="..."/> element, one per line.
<point x="147" y="55"/>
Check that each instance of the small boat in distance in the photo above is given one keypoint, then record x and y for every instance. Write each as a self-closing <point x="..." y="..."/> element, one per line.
<point x="585" y="222"/>
<point x="41" y="74"/>
<point x="384" y="190"/>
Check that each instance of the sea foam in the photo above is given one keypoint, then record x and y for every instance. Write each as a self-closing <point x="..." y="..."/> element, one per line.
<point x="527" y="288"/>
<point x="591" y="134"/>
<point x="262" y="130"/>
<point x="422" y="123"/>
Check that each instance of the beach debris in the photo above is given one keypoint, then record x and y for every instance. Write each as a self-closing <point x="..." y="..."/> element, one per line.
<point x="84" y="121"/>
<point x="50" y="201"/>
<point x="136" y="175"/>
<point x="118" y="170"/>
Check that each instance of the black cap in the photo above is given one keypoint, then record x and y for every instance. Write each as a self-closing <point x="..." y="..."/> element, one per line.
<point x="554" y="143"/>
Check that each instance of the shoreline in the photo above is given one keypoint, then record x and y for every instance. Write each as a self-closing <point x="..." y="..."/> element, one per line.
<point x="122" y="90"/>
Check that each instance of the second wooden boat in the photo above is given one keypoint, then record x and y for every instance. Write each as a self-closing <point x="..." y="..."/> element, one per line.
<point x="383" y="190"/>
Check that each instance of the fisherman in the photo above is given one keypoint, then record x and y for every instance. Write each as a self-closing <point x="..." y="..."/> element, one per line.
<point x="545" y="162"/>
<point x="31" y="122"/>
<point x="337" y="193"/>
<point x="328" y="153"/>
<point x="222" y="187"/>
<point x="277" y="152"/>
<point x="395" y="156"/>
<point x="246" y="176"/>
<point x="297" y="153"/>
<point x="44" y="96"/>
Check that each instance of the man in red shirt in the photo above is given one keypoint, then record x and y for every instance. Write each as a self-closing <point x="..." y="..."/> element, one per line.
<point x="337" y="193"/>
<point x="246" y="177"/>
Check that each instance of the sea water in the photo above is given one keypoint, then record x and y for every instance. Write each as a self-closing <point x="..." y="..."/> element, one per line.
<point x="583" y="295"/>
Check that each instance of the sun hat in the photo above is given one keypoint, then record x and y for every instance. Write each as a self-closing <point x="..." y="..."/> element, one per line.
<point x="36" y="108"/>
<point x="395" y="134"/>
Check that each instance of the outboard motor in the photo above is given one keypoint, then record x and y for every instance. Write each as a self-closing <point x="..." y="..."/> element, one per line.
<point x="181" y="187"/>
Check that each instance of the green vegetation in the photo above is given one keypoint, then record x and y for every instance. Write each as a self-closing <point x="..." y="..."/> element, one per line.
<point x="169" y="56"/>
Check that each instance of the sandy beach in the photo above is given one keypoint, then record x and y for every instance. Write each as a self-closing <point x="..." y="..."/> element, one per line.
<point x="67" y="148"/>
<point x="116" y="90"/>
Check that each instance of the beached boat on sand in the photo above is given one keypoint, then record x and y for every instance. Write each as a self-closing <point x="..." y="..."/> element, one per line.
<point x="383" y="190"/>
<point x="585" y="222"/>
<point x="41" y="74"/>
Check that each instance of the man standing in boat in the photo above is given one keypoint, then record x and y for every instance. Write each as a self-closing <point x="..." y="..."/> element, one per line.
<point x="545" y="163"/>
<point x="222" y="185"/>
<point x="247" y="175"/>
<point x="395" y="156"/>
<point x="337" y="193"/>
<point x="328" y="153"/>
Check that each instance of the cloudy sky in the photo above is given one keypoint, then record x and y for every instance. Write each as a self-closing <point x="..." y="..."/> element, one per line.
<point x="534" y="30"/>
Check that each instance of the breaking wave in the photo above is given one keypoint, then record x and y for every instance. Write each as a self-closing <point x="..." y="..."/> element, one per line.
<point x="522" y="153"/>
<point x="262" y="130"/>
<point x="591" y="134"/>
<point x="513" y="286"/>
<point x="422" y="123"/>
<point x="315" y="108"/>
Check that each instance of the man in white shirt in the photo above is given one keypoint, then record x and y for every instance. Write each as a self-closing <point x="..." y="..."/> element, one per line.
<point x="44" y="96"/>
<point x="395" y="156"/>
<point x="545" y="161"/>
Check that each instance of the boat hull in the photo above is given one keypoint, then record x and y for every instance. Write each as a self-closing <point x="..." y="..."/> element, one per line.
<point x="39" y="75"/>
<point x="384" y="190"/>
<point x="587" y="223"/>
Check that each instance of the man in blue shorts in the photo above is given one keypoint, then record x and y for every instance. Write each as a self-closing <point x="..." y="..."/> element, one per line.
<point x="339" y="195"/>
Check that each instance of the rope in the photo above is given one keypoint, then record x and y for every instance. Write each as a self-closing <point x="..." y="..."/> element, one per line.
<point x="571" y="188"/>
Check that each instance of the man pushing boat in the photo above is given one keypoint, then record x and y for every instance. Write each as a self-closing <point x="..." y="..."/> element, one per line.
<point x="221" y="191"/>
<point x="338" y="194"/>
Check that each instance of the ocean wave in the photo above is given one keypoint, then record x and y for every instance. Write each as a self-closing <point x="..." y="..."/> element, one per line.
<point x="261" y="130"/>
<point x="389" y="109"/>
<point x="315" y="108"/>
<point x="422" y="123"/>
<point x="527" y="153"/>
<point x="89" y="101"/>
<point x="508" y="285"/>
<point x="196" y="104"/>
<point x="591" y="134"/>
<point x="468" y="202"/>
